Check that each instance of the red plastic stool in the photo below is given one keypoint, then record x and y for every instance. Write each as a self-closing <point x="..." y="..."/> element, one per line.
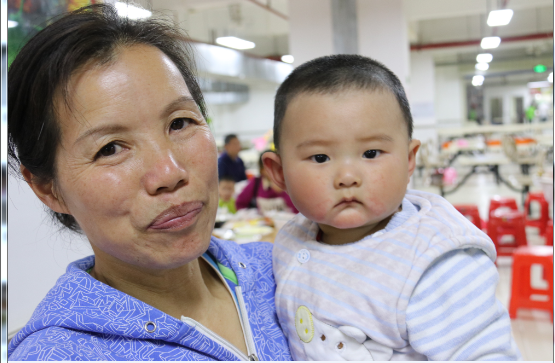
<point x="549" y="233"/>
<point x="470" y="211"/>
<point x="522" y="289"/>
<point x="541" y="222"/>
<point x="497" y="202"/>
<point x="507" y="223"/>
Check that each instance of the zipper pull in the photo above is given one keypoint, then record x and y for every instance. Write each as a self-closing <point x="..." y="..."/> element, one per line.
<point x="253" y="357"/>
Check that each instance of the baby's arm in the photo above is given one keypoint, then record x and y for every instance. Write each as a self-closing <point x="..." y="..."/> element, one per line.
<point x="453" y="313"/>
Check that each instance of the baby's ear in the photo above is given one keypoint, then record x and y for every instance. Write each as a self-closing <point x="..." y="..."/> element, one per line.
<point x="274" y="168"/>
<point x="414" y="145"/>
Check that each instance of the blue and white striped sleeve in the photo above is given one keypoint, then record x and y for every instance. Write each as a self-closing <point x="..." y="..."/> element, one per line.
<point x="453" y="313"/>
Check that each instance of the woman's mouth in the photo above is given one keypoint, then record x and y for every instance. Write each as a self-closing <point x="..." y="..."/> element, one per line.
<point x="177" y="217"/>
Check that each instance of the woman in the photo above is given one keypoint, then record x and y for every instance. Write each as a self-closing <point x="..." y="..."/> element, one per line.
<point x="263" y="194"/>
<point x="107" y="126"/>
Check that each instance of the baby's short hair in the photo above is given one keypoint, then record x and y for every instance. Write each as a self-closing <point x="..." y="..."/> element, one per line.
<point x="334" y="73"/>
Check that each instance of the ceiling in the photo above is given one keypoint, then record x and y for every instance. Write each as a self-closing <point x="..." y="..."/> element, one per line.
<point x="457" y="25"/>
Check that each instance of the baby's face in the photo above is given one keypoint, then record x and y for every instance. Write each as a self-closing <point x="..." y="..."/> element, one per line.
<point x="346" y="157"/>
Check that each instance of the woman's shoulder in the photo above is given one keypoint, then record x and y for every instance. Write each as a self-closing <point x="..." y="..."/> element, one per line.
<point x="230" y="251"/>
<point x="250" y="261"/>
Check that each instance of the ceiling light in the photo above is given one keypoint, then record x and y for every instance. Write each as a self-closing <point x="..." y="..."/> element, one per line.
<point x="482" y="66"/>
<point x="540" y="68"/>
<point x="233" y="42"/>
<point x="287" y="58"/>
<point x="477" y="80"/>
<point x="490" y="42"/>
<point x="550" y="77"/>
<point x="484" y="58"/>
<point x="131" y="12"/>
<point x="12" y="23"/>
<point x="500" y="17"/>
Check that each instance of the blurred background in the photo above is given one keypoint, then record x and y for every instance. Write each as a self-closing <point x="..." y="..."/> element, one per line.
<point x="479" y="78"/>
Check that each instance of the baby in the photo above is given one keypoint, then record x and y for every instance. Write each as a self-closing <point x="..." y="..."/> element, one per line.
<point x="370" y="270"/>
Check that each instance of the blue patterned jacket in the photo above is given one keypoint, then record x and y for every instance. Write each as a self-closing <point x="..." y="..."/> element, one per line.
<point x="84" y="319"/>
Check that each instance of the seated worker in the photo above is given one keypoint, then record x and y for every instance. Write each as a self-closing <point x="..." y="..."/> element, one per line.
<point x="369" y="270"/>
<point x="229" y="162"/>
<point x="264" y="194"/>
<point x="226" y="188"/>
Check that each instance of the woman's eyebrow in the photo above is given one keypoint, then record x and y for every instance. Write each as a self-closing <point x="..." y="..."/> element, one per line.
<point x="101" y="130"/>
<point x="180" y="102"/>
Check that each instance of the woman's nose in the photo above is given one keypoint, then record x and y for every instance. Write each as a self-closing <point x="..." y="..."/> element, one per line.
<point x="347" y="177"/>
<point x="165" y="174"/>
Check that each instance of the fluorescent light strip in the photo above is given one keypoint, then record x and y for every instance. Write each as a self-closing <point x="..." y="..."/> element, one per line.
<point x="132" y="12"/>
<point x="287" y="58"/>
<point x="477" y="80"/>
<point x="500" y="17"/>
<point x="482" y="66"/>
<point x="484" y="58"/>
<point x="490" y="42"/>
<point x="234" y="42"/>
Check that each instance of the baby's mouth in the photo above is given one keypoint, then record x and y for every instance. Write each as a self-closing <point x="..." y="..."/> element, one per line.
<point x="348" y="201"/>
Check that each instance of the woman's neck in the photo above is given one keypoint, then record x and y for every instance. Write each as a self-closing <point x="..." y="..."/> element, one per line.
<point x="180" y="291"/>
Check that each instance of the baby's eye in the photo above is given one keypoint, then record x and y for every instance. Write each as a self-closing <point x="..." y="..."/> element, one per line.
<point x="180" y="123"/>
<point x="108" y="150"/>
<point x="320" y="158"/>
<point x="371" y="154"/>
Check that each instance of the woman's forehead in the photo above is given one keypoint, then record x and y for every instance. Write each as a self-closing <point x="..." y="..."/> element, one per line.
<point x="141" y="79"/>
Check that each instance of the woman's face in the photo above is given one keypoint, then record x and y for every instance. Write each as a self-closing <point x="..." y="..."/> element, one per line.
<point x="137" y="163"/>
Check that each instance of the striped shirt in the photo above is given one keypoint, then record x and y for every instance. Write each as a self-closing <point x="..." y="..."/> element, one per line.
<point x="423" y="288"/>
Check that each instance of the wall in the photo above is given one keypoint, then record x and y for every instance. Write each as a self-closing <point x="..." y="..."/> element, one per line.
<point x="38" y="252"/>
<point x="248" y="120"/>
<point x="507" y="93"/>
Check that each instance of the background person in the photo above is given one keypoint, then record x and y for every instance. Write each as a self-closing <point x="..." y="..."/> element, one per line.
<point x="226" y="188"/>
<point x="229" y="162"/>
<point x="107" y="126"/>
<point x="262" y="193"/>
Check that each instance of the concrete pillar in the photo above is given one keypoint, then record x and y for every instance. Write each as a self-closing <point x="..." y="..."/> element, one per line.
<point x="374" y="28"/>
<point x="310" y="29"/>
<point x="422" y="100"/>
<point x="382" y="35"/>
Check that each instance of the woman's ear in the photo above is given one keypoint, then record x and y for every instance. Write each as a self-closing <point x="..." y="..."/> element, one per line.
<point x="414" y="145"/>
<point x="44" y="191"/>
<point x="273" y="168"/>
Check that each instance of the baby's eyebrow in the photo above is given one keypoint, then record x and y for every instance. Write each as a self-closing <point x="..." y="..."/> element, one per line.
<point x="309" y="143"/>
<point x="382" y="137"/>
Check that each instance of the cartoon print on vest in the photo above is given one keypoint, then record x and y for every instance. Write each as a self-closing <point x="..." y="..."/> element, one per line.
<point x="325" y="342"/>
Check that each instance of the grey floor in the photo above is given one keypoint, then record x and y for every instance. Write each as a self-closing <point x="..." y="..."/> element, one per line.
<point x="532" y="329"/>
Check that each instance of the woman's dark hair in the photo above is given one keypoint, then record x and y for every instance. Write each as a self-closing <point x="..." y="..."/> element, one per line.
<point x="40" y="73"/>
<point x="336" y="73"/>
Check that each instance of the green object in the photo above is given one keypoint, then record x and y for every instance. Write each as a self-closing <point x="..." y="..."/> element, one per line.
<point x="540" y="68"/>
<point x="230" y="205"/>
<point x="228" y="273"/>
<point x="530" y="112"/>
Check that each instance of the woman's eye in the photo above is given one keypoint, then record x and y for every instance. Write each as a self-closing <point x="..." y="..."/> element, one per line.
<point x="179" y="123"/>
<point x="320" y="158"/>
<point x="371" y="154"/>
<point x="108" y="150"/>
